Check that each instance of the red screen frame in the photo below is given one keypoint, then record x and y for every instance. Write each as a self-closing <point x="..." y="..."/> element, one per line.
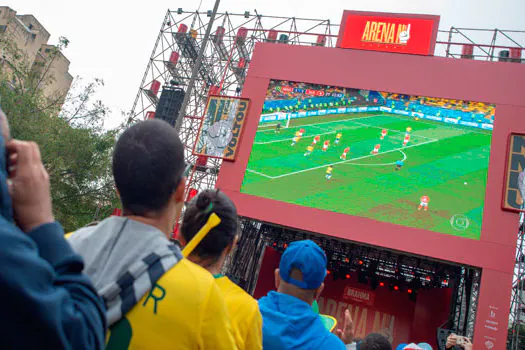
<point x="497" y="83"/>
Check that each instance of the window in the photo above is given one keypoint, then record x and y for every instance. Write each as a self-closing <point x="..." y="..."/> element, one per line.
<point x="3" y="29"/>
<point x="47" y="50"/>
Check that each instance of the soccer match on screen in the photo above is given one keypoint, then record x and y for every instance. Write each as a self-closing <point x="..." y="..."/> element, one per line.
<point x="409" y="160"/>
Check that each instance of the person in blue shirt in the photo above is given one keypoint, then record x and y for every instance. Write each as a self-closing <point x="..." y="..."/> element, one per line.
<point x="289" y="322"/>
<point x="47" y="302"/>
<point x="399" y="164"/>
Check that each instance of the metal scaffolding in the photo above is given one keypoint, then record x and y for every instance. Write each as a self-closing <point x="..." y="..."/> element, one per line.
<point x="223" y="70"/>
<point x="516" y="338"/>
<point x="227" y="58"/>
<point x="224" y="65"/>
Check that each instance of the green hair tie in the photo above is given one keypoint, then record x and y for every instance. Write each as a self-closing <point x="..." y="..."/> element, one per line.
<point x="208" y="208"/>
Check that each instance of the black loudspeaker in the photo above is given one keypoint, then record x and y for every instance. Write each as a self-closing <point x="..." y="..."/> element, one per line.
<point x="169" y="104"/>
<point x="504" y="56"/>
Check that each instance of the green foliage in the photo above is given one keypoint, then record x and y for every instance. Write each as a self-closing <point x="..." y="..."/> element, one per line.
<point x="75" y="147"/>
<point x="516" y="334"/>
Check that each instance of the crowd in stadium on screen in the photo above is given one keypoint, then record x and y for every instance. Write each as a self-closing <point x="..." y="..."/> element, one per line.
<point x="287" y="96"/>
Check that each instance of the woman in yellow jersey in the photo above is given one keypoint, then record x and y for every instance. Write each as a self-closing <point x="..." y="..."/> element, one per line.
<point x="211" y="254"/>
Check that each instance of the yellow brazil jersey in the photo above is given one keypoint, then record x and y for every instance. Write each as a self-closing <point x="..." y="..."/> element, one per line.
<point x="244" y="314"/>
<point x="297" y="134"/>
<point x="329" y="170"/>
<point x="310" y="148"/>
<point x="338" y="136"/>
<point x="184" y="310"/>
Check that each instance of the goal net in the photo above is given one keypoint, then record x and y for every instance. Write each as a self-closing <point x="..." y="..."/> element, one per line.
<point x="270" y="121"/>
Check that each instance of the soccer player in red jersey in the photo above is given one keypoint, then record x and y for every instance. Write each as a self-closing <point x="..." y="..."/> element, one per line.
<point x="317" y="139"/>
<point x="345" y="151"/>
<point x="383" y="133"/>
<point x="376" y="149"/>
<point x="405" y="141"/>
<point x="325" y="145"/>
<point x="423" y="203"/>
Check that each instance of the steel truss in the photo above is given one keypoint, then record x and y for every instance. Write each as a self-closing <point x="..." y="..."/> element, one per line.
<point x="376" y="264"/>
<point x="227" y="57"/>
<point x="224" y="66"/>
<point x="516" y="338"/>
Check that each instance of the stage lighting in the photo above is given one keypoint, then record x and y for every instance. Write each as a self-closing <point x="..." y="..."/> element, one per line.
<point x="360" y="262"/>
<point x="285" y="245"/>
<point x="396" y="288"/>
<point x="336" y="275"/>
<point x="179" y="10"/>
<point x="409" y="291"/>
<point x="328" y="272"/>
<point x="381" y="284"/>
<point x="362" y="277"/>
<point x="373" y="282"/>
<point x="347" y="276"/>
<point x="246" y="14"/>
<point x="208" y="13"/>
<point x="347" y="260"/>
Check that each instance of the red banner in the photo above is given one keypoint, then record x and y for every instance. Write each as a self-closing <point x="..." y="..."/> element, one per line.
<point x="382" y="310"/>
<point x="388" y="32"/>
<point x="359" y="295"/>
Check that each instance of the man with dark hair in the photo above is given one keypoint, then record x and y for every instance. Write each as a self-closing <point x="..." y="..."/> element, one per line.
<point x="48" y="302"/>
<point x="154" y="297"/>
<point x="375" y="341"/>
<point x="288" y="319"/>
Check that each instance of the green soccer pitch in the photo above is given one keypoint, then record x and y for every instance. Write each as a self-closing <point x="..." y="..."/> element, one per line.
<point x="447" y="163"/>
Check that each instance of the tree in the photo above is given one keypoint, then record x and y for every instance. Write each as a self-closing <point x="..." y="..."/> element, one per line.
<point x="517" y="333"/>
<point x="76" y="148"/>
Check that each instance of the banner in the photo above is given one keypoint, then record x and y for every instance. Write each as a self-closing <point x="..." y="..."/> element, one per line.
<point x="221" y="127"/>
<point x="309" y="92"/>
<point x="373" y="31"/>
<point x="512" y="199"/>
<point x="359" y="295"/>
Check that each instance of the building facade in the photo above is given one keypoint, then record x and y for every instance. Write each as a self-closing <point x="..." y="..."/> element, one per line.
<point x="45" y="61"/>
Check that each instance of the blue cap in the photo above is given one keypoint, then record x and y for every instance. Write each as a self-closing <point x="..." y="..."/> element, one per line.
<point x="307" y="257"/>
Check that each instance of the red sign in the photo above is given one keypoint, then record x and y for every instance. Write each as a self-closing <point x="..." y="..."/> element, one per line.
<point x="359" y="295"/>
<point x="411" y="34"/>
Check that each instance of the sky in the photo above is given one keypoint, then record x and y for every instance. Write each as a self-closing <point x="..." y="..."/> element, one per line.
<point x="113" y="39"/>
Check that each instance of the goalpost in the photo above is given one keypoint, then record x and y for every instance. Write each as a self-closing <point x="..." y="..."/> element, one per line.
<point x="280" y="117"/>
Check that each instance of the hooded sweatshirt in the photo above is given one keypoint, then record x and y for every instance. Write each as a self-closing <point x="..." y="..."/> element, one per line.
<point x="47" y="301"/>
<point x="154" y="297"/>
<point x="290" y="323"/>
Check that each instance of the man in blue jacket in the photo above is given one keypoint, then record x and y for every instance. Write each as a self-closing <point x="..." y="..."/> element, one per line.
<point x="47" y="302"/>
<point x="288" y="319"/>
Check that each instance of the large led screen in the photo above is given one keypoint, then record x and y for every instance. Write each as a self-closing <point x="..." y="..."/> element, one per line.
<point x="408" y="160"/>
